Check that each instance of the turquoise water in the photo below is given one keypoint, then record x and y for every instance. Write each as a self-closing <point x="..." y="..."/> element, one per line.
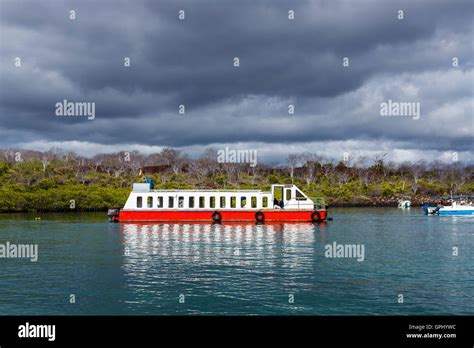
<point x="240" y="269"/>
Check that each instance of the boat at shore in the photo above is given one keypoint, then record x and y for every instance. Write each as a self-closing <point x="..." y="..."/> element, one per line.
<point x="456" y="208"/>
<point x="404" y="204"/>
<point x="215" y="206"/>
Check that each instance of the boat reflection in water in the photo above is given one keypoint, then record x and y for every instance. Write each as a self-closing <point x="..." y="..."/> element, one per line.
<point x="219" y="268"/>
<point x="227" y="244"/>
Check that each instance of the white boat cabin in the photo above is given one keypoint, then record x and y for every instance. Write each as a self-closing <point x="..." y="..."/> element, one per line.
<point x="142" y="197"/>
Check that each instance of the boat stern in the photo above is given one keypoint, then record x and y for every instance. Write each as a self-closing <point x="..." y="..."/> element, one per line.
<point x="113" y="215"/>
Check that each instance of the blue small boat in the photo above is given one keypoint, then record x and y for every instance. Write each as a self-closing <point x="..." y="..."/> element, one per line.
<point x="455" y="208"/>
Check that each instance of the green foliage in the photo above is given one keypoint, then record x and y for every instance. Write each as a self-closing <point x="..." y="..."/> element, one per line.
<point x="172" y="185"/>
<point x="388" y="190"/>
<point x="221" y="180"/>
<point x="432" y="188"/>
<point x="65" y="185"/>
<point x="274" y="179"/>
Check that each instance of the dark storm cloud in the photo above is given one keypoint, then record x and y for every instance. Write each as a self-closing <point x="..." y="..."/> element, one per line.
<point x="282" y="61"/>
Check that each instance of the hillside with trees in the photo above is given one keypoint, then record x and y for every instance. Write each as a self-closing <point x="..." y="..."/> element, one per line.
<point x="60" y="181"/>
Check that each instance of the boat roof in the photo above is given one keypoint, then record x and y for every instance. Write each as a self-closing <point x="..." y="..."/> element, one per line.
<point x="194" y="190"/>
<point x="145" y="187"/>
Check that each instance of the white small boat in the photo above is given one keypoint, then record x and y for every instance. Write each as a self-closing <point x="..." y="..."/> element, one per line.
<point x="457" y="208"/>
<point x="404" y="204"/>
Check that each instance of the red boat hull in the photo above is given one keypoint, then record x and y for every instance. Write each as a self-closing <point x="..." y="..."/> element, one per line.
<point x="273" y="215"/>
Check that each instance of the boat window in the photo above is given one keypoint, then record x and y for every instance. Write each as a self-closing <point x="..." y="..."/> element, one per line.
<point x="243" y="201"/>
<point x="222" y="202"/>
<point x="300" y="196"/>
<point x="180" y="202"/>
<point x="253" y="201"/>
<point x="202" y="202"/>
<point x="233" y="202"/>
<point x="288" y="194"/>
<point x="139" y="201"/>
<point x="265" y="202"/>
<point x="159" y="204"/>
<point x="213" y="202"/>
<point x="170" y="202"/>
<point x="149" y="202"/>
<point x="191" y="202"/>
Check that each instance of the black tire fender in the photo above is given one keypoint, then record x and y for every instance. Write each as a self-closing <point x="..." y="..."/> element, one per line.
<point x="259" y="216"/>
<point x="216" y="216"/>
<point x="315" y="216"/>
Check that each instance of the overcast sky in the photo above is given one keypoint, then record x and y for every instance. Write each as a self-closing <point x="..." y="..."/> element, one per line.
<point x="282" y="61"/>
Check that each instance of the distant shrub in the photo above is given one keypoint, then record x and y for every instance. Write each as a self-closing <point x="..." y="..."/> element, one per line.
<point x="387" y="189"/>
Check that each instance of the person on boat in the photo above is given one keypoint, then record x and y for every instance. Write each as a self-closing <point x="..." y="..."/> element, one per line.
<point x="276" y="204"/>
<point x="149" y="181"/>
<point x="282" y="205"/>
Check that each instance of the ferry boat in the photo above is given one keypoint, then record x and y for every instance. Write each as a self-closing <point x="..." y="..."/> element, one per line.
<point x="215" y="206"/>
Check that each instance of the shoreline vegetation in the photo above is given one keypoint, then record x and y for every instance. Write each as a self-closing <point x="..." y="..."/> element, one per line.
<point x="55" y="181"/>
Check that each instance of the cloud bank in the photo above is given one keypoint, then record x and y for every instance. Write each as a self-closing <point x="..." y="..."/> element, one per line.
<point x="283" y="62"/>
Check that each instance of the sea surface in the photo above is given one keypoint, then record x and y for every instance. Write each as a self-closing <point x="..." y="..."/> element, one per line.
<point x="412" y="265"/>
